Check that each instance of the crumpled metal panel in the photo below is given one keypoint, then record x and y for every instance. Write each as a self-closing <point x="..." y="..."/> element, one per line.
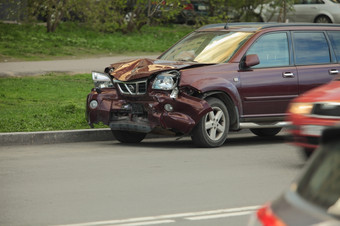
<point x="141" y="68"/>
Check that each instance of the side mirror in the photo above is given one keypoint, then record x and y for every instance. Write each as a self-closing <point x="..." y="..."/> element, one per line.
<point x="251" y="60"/>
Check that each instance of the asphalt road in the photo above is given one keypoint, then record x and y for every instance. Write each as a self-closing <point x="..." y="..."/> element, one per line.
<point x="157" y="182"/>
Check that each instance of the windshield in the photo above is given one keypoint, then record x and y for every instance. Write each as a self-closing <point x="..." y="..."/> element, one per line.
<point x="207" y="47"/>
<point x="321" y="184"/>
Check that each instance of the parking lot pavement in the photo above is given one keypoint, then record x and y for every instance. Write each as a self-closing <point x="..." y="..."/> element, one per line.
<point x="73" y="66"/>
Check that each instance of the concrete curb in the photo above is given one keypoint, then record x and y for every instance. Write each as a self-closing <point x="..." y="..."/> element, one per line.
<point x="66" y="136"/>
<point x="53" y="137"/>
<point x="62" y="136"/>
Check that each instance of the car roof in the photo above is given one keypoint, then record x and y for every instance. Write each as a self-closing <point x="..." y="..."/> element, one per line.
<point x="252" y="27"/>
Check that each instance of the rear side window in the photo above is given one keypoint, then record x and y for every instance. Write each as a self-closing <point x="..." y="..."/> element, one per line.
<point x="334" y="36"/>
<point x="311" y="48"/>
<point x="272" y="50"/>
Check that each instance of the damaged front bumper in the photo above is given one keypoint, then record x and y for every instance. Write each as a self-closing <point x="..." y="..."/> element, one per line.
<point x="156" y="112"/>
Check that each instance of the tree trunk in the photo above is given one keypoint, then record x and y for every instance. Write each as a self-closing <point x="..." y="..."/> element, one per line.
<point x="55" y="13"/>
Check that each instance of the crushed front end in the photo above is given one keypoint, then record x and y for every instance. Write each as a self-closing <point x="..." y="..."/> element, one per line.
<point x="143" y="97"/>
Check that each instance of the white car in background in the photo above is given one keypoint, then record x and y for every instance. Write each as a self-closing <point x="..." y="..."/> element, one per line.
<point x="312" y="11"/>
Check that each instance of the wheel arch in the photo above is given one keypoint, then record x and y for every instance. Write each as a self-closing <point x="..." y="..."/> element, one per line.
<point x="229" y="103"/>
<point x="225" y="89"/>
<point x="330" y="18"/>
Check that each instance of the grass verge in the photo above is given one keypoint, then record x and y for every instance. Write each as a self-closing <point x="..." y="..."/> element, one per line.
<point x="44" y="103"/>
<point x="32" y="42"/>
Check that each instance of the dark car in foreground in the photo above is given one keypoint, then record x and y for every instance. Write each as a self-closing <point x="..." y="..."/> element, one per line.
<point x="314" y="198"/>
<point x="220" y="78"/>
<point x="311" y="113"/>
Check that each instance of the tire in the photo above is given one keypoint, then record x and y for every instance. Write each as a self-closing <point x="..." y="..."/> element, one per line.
<point x="323" y="19"/>
<point x="128" y="137"/>
<point x="213" y="128"/>
<point x="266" y="132"/>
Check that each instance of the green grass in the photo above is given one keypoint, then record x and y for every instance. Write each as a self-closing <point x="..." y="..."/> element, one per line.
<point x="32" y="42"/>
<point x="43" y="103"/>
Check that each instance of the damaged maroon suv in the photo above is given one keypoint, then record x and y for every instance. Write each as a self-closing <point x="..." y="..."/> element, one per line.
<point x="215" y="80"/>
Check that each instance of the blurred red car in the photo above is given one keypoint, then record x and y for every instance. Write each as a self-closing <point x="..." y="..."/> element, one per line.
<point x="312" y="112"/>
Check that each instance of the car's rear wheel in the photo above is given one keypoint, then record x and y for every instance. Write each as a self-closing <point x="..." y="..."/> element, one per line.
<point x="213" y="128"/>
<point x="128" y="136"/>
<point x="323" y="19"/>
<point x="266" y="132"/>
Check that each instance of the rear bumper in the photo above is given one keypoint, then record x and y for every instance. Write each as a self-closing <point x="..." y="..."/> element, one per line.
<point x="146" y="113"/>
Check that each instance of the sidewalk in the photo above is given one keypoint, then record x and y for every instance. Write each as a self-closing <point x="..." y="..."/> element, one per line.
<point x="29" y="68"/>
<point x="72" y="66"/>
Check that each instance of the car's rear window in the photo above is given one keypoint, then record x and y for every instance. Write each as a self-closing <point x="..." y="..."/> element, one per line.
<point x="207" y="46"/>
<point x="321" y="184"/>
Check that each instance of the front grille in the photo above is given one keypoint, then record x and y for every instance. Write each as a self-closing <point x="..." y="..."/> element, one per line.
<point x="326" y="109"/>
<point x="132" y="88"/>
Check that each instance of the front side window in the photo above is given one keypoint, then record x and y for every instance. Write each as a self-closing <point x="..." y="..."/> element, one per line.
<point x="321" y="184"/>
<point x="207" y="47"/>
<point x="311" y="48"/>
<point x="334" y="36"/>
<point x="272" y="50"/>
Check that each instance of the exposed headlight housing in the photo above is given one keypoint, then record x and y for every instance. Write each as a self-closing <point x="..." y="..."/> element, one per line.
<point x="301" y="108"/>
<point x="101" y="80"/>
<point x="93" y="104"/>
<point x="166" y="80"/>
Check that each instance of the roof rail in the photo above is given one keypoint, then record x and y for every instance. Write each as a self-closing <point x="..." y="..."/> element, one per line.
<point x="261" y="25"/>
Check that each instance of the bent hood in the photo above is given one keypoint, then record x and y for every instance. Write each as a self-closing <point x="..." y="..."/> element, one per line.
<point x="141" y="68"/>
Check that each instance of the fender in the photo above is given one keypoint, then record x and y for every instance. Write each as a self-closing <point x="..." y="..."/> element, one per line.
<point x="225" y="80"/>
<point x="325" y="13"/>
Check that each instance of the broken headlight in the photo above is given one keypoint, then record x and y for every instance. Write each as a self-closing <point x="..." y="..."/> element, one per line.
<point x="166" y="80"/>
<point x="101" y="80"/>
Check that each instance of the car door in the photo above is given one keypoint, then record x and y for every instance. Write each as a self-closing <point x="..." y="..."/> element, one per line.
<point x="314" y="58"/>
<point x="304" y="10"/>
<point x="267" y="88"/>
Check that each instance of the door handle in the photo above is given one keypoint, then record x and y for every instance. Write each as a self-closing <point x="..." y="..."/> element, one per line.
<point x="288" y="75"/>
<point x="333" y="71"/>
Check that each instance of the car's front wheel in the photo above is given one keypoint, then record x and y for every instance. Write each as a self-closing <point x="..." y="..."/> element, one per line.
<point x="213" y="128"/>
<point x="266" y="132"/>
<point x="128" y="136"/>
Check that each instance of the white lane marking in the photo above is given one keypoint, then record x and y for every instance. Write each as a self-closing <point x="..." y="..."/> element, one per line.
<point x="168" y="216"/>
<point x="219" y="216"/>
<point x="147" y="223"/>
